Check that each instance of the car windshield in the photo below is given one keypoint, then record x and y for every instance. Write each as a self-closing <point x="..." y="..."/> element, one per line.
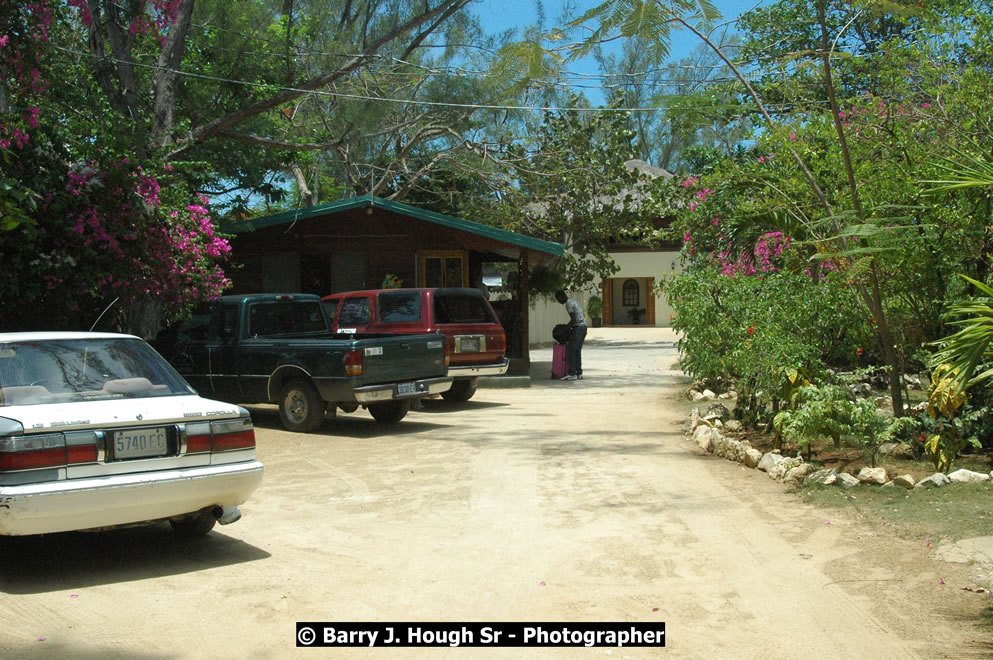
<point x="59" y="371"/>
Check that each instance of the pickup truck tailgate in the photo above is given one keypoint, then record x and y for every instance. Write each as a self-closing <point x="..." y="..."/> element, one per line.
<point x="403" y="357"/>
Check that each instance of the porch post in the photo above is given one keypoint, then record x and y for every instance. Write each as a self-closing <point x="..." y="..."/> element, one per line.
<point x="522" y="280"/>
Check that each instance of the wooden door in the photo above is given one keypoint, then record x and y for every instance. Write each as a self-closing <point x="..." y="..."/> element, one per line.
<point x="650" y="301"/>
<point x="608" y="301"/>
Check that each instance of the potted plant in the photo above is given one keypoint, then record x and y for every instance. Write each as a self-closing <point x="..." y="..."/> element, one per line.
<point x="594" y="307"/>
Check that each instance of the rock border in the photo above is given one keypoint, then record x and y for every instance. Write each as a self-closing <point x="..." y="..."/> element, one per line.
<point x="705" y="432"/>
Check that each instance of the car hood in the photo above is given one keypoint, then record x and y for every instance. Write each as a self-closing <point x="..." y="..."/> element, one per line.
<point x="48" y="417"/>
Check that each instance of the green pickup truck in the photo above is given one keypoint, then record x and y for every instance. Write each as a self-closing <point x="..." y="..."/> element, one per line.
<point x="279" y="348"/>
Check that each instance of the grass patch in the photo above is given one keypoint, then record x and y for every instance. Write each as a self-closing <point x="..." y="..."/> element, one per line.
<point x="952" y="512"/>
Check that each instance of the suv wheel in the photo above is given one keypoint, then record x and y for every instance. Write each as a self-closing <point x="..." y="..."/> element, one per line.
<point x="461" y="390"/>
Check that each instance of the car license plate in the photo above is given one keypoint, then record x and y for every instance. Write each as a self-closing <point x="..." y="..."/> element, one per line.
<point x="141" y="443"/>
<point x="469" y="345"/>
<point x="406" y="389"/>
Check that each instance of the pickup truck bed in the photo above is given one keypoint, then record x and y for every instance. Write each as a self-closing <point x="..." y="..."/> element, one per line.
<point x="280" y="348"/>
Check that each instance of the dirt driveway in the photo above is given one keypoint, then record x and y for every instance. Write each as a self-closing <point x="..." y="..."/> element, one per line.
<point x="566" y="501"/>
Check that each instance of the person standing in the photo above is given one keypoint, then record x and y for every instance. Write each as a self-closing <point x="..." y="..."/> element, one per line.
<point x="577" y="335"/>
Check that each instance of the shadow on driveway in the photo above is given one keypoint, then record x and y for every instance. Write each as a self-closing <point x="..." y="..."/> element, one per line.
<point x="74" y="560"/>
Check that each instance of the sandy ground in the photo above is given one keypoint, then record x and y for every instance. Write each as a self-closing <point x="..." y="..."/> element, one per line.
<point x="566" y="501"/>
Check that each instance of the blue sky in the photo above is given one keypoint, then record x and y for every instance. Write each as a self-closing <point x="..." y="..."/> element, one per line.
<point x="500" y="15"/>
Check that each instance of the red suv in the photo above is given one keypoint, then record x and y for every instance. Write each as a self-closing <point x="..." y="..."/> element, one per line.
<point x="475" y="339"/>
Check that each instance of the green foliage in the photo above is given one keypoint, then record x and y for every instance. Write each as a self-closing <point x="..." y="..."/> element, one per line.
<point x="573" y="186"/>
<point x="545" y="280"/>
<point x="828" y="412"/>
<point x="594" y="306"/>
<point x="751" y="332"/>
<point x="953" y="425"/>
<point x="962" y="352"/>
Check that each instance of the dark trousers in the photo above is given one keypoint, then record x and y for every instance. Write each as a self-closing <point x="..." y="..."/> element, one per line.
<point x="574" y="349"/>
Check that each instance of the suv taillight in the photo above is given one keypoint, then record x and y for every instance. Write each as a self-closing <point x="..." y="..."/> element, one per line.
<point x="222" y="435"/>
<point x="353" y="363"/>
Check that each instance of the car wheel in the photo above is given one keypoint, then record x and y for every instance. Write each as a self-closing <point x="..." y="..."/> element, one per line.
<point x="461" y="390"/>
<point x="389" y="412"/>
<point x="348" y="407"/>
<point x="194" y="526"/>
<point x="301" y="408"/>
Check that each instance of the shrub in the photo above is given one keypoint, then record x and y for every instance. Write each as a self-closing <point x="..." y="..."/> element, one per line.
<point x="746" y="330"/>
<point x="828" y="412"/>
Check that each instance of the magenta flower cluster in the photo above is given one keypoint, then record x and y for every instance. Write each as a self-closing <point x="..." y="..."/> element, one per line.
<point x="763" y="258"/>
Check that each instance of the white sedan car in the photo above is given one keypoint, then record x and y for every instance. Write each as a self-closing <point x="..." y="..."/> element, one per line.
<point x="98" y="431"/>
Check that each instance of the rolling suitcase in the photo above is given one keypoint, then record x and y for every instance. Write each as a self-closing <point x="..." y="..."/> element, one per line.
<point x="560" y="365"/>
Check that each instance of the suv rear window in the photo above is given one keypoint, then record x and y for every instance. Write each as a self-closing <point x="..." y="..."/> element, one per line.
<point x="461" y="308"/>
<point x="354" y="311"/>
<point x="400" y="307"/>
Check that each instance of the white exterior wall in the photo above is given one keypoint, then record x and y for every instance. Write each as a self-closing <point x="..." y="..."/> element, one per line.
<point x="546" y="314"/>
<point x="647" y="264"/>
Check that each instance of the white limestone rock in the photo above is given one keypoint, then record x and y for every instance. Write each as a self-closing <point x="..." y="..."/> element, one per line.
<point x="797" y="475"/>
<point x="826" y="477"/>
<point x="770" y="460"/>
<point x="968" y="476"/>
<point x="733" y="426"/>
<point x="868" y="475"/>
<point x="846" y="481"/>
<point x="752" y="457"/>
<point x="896" y="450"/>
<point x="704" y="437"/>
<point x="905" y="480"/>
<point x="938" y="479"/>
<point x="778" y="472"/>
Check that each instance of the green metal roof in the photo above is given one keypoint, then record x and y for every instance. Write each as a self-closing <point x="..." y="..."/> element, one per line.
<point x="240" y="226"/>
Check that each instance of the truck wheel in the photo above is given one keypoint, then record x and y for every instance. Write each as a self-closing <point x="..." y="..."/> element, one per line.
<point x="193" y="526"/>
<point x="301" y="408"/>
<point x="389" y="412"/>
<point x="461" y="390"/>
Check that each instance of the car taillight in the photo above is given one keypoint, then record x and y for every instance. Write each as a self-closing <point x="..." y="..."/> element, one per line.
<point x="222" y="435"/>
<point x="197" y="438"/>
<point x="233" y="434"/>
<point x="81" y="454"/>
<point x="448" y="352"/>
<point x="29" y="452"/>
<point x="353" y="363"/>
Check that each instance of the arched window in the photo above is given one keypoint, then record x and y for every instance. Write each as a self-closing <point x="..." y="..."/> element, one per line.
<point x="631" y="295"/>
